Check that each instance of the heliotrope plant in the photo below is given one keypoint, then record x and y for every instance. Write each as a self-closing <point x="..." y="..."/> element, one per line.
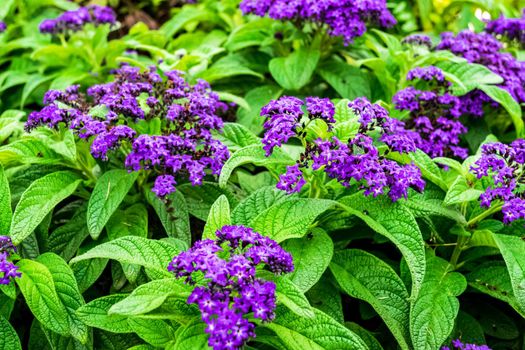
<point x="232" y="291"/>
<point x="8" y="270"/>
<point x="75" y="20"/>
<point x="350" y="158"/>
<point x="176" y="119"/>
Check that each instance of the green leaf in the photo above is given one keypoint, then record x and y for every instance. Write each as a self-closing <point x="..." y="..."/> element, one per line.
<point x="110" y="190"/>
<point x="257" y="98"/>
<point x="396" y="223"/>
<point x="289" y="294"/>
<point x="95" y="314"/>
<point x="428" y="168"/>
<point x="219" y="216"/>
<point x="39" y="200"/>
<point x="433" y="313"/>
<point x="367" y="337"/>
<point x="155" y="332"/>
<point x="349" y="82"/>
<point x="5" y="203"/>
<point x="87" y="272"/>
<point x="251" y="154"/>
<point x="28" y="150"/>
<point x="512" y="249"/>
<point x="130" y="222"/>
<point x="66" y="239"/>
<point x="248" y="34"/>
<point x="325" y="296"/>
<point x="8" y="338"/>
<point x="319" y="333"/>
<point x="311" y="257"/>
<point x="152" y="254"/>
<point x="361" y="275"/>
<point x="201" y="198"/>
<point x="291" y="218"/>
<point x="173" y="214"/>
<point x="191" y="336"/>
<point x="468" y="76"/>
<point x="68" y="293"/>
<point x="504" y="98"/>
<point x="186" y="15"/>
<point x="150" y="296"/>
<point x="430" y="203"/>
<point x="236" y="136"/>
<point x="38" y="288"/>
<point x="256" y="203"/>
<point x="461" y="192"/>
<point x="295" y="71"/>
<point x="228" y="66"/>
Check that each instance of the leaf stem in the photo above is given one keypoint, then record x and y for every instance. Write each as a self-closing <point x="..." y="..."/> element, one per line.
<point x="484" y="215"/>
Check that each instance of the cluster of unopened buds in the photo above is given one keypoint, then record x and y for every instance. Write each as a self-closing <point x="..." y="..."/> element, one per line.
<point x="231" y="290"/>
<point x="8" y="270"/>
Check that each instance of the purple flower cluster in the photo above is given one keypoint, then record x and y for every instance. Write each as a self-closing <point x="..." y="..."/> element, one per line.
<point x="433" y="112"/>
<point x="459" y="345"/>
<point x="187" y="115"/>
<point x="343" y="18"/>
<point x="3" y="26"/>
<point x="512" y="29"/>
<point x="8" y="270"/>
<point x="72" y="21"/>
<point x="349" y="161"/>
<point x="232" y="289"/>
<point x="484" y="49"/>
<point x="418" y="40"/>
<point x="505" y="165"/>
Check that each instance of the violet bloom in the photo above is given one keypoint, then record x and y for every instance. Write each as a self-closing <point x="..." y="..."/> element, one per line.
<point x="8" y="270"/>
<point x="486" y="50"/>
<point x="187" y="115"/>
<point x="504" y="165"/>
<point x="342" y="18"/>
<point x="457" y="344"/>
<point x="3" y="26"/>
<point x="72" y="21"/>
<point x="418" y="40"/>
<point x="511" y="29"/>
<point x="434" y="114"/>
<point x="232" y="290"/>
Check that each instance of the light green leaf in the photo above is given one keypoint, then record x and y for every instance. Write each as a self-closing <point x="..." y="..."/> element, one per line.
<point x="152" y="254"/>
<point x="110" y="190"/>
<point x="186" y="15"/>
<point x="468" y="76"/>
<point x="257" y="98"/>
<point x="289" y="294"/>
<point x="361" y="275"/>
<point x="349" y="82"/>
<point x="8" y="337"/>
<point x="319" y="333"/>
<point x="296" y="70"/>
<point x="251" y="154"/>
<point x="39" y="200"/>
<point x="504" y="98"/>
<point x="38" y="288"/>
<point x="219" y="216"/>
<point x="173" y="214"/>
<point x="396" y="223"/>
<point x="512" y="248"/>
<point x="68" y="293"/>
<point x="66" y="239"/>
<point x="428" y="168"/>
<point x="461" y="192"/>
<point x="256" y="203"/>
<point x="192" y="336"/>
<point x="95" y="314"/>
<point x="430" y="203"/>
<point x="291" y="218"/>
<point x="236" y="136"/>
<point x="155" y="332"/>
<point x="252" y="33"/>
<point x="5" y="203"/>
<point x="130" y="222"/>
<point x="433" y="313"/>
<point x="228" y="66"/>
<point x="311" y="257"/>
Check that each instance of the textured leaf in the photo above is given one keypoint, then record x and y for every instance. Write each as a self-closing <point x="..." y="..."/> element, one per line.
<point x="289" y="294"/>
<point x="68" y="293"/>
<point x="38" y="288"/>
<point x="367" y="337"/>
<point x="248" y="34"/>
<point x="201" y="198"/>
<point x="251" y="154"/>
<point x="319" y="333"/>
<point x="468" y="76"/>
<point x="257" y="98"/>
<point x="291" y="218"/>
<point x="433" y="313"/>
<point x="326" y="297"/>
<point x="228" y="66"/>
<point x="28" y="151"/>
<point x="430" y="203"/>
<point x="363" y="276"/>
<point x="428" y="168"/>
<point x="110" y="190"/>
<point x="396" y="223"/>
<point x="8" y="338"/>
<point x="39" y="200"/>
<point x="87" y="272"/>
<point x="130" y="222"/>
<point x="512" y="248"/>
<point x="192" y="336"/>
<point x="95" y="314"/>
<point x="236" y="136"/>
<point x="151" y="254"/>
<point x="219" y="216"/>
<point x="256" y="203"/>
<point x="155" y="332"/>
<point x="173" y="214"/>
<point x="66" y="239"/>
<point x="461" y="192"/>
<point x="296" y="70"/>
<point x="504" y="98"/>
<point x="349" y="82"/>
<point x="5" y="203"/>
<point x="311" y="257"/>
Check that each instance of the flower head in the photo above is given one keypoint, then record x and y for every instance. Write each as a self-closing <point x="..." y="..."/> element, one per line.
<point x="8" y="270"/>
<point x="460" y="345"/>
<point x="72" y="21"/>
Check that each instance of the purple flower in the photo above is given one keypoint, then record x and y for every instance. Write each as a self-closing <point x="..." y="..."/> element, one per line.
<point x="8" y="270"/>
<point x="231" y="289"/>
<point x="433" y="114"/>
<point x="320" y="108"/>
<point x="512" y="29"/>
<point x="72" y="21"/>
<point x="292" y="181"/>
<point x="504" y="165"/>
<point x="109" y="113"/>
<point x="459" y="345"/>
<point x="342" y="18"/>
<point x="3" y="27"/>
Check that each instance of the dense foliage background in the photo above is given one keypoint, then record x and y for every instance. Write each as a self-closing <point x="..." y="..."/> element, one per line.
<point x="207" y="146"/>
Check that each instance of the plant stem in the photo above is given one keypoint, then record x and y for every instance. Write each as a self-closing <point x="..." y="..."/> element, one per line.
<point x="484" y="215"/>
<point x="462" y="240"/>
